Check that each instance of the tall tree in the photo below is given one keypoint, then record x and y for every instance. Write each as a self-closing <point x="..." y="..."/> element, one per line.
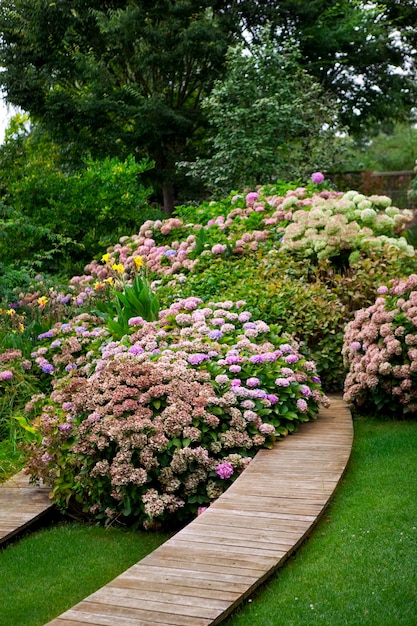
<point x="115" y="77"/>
<point x="363" y="53"/>
<point x="268" y="120"/>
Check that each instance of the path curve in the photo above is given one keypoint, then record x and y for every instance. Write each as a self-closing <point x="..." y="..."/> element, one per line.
<point x="207" y="569"/>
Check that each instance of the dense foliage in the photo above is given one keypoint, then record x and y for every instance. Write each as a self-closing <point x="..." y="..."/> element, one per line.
<point x="55" y="218"/>
<point x="130" y="77"/>
<point x="146" y="416"/>
<point x="268" y="120"/>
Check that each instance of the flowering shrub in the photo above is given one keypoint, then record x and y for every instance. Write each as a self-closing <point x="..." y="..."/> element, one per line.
<point x="380" y="351"/>
<point x="160" y="423"/>
<point x="345" y="223"/>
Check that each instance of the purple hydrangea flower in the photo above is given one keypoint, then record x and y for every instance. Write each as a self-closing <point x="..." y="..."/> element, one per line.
<point x="302" y="405"/>
<point x="224" y="470"/>
<point x="47" y="335"/>
<point x="272" y="398"/>
<point x="292" y="358"/>
<point x="316" y="379"/>
<point x="169" y="253"/>
<point x="252" y="196"/>
<point x="135" y="321"/>
<point x="197" y="359"/>
<point x="253" y="381"/>
<point x="222" y="379"/>
<point x="305" y="390"/>
<point x="215" y="334"/>
<point x="135" y="350"/>
<point x="47" y="368"/>
<point x="232" y="359"/>
<point x="317" y="178"/>
<point x="6" y="375"/>
<point x="65" y="428"/>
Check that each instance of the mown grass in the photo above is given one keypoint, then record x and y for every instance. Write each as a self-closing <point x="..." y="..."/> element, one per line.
<point x="357" y="568"/>
<point x="359" y="565"/>
<point x="48" y="571"/>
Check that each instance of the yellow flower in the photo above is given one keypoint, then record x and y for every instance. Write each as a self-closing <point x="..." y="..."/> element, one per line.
<point x="138" y="261"/>
<point x="11" y="312"/>
<point x="105" y="258"/>
<point x="109" y="280"/>
<point x="118" y="267"/>
<point x="21" y="328"/>
<point x="42" y="301"/>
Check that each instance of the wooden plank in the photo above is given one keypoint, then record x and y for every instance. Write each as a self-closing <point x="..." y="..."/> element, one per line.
<point x="21" y="505"/>
<point x="175" y="585"/>
<point x="204" y="571"/>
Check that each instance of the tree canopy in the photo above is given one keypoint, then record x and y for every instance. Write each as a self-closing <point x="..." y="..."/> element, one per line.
<point x="119" y="77"/>
<point x="269" y="120"/>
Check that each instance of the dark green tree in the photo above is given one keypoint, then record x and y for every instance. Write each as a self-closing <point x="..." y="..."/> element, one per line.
<point x="120" y="77"/>
<point x="363" y="53"/>
<point x="115" y="77"/>
<point x="269" y="120"/>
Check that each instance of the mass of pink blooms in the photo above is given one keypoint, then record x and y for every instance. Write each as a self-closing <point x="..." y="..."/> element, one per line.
<point x="380" y="350"/>
<point x="159" y="423"/>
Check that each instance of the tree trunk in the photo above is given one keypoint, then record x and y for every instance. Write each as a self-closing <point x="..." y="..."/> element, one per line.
<point x="168" y="197"/>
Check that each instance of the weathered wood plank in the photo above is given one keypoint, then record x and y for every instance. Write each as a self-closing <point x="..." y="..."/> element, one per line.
<point x="21" y="505"/>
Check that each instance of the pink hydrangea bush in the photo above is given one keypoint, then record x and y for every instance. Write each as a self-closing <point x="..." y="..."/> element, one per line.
<point x="154" y="426"/>
<point x="380" y="351"/>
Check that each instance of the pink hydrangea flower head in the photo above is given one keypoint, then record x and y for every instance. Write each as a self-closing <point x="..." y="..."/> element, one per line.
<point x="6" y="375"/>
<point x="251" y="197"/>
<point x="317" y="178"/>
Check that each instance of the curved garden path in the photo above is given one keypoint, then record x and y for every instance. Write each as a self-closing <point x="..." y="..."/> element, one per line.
<point x="204" y="571"/>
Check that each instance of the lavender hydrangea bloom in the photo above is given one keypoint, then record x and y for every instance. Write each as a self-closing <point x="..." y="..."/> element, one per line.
<point x="47" y="335"/>
<point x="292" y="358"/>
<point x="197" y="359"/>
<point x="47" y="368"/>
<point x="135" y="350"/>
<point x="215" y="334"/>
<point x="6" y="375"/>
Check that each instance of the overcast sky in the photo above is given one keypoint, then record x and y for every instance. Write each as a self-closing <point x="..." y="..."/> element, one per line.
<point x="6" y="112"/>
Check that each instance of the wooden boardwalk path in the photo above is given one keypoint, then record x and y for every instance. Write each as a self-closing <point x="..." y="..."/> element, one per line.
<point x="204" y="571"/>
<point x="21" y="504"/>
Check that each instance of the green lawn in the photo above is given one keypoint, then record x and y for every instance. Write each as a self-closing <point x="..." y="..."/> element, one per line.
<point x="357" y="568"/>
